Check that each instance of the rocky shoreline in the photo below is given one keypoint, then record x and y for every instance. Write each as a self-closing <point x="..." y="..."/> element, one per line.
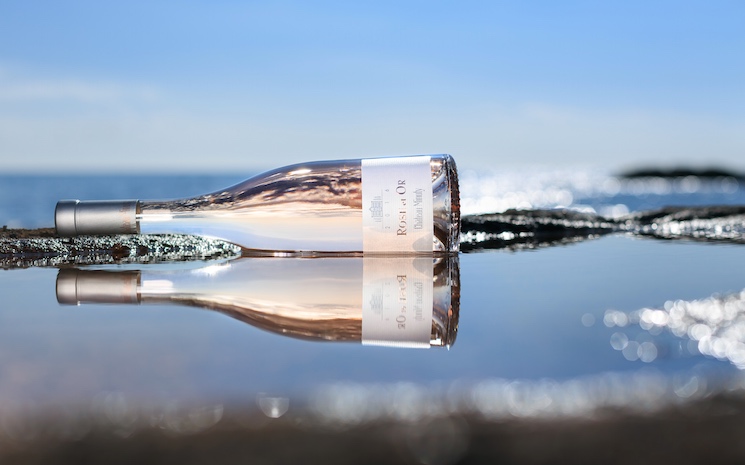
<point x="23" y="248"/>
<point x="512" y="230"/>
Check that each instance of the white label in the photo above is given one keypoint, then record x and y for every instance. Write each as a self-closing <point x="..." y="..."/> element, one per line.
<point x="397" y="204"/>
<point x="397" y="301"/>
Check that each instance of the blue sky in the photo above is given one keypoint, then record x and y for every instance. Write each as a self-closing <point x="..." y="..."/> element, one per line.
<point x="225" y="85"/>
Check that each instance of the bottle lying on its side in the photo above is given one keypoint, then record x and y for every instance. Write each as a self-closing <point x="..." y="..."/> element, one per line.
<point x="379" y="205"/>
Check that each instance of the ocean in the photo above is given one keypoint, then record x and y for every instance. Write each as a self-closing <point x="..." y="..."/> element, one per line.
<point x="602" y="320"/>
<point x="27" y="201"/>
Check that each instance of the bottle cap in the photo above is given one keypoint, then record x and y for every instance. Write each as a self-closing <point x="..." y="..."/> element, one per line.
<point x="75" y="217"/>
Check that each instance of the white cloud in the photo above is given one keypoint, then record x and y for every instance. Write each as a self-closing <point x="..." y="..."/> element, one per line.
<point x="179" y="142"/>
<point x="19" y="88"/>
<point x="159" y="137"/>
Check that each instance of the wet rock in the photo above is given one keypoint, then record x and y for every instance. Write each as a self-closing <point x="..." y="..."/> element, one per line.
<point x="20" y="248"/>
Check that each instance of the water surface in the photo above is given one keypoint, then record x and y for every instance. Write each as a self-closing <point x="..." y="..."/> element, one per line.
<point x="566" y="321"/>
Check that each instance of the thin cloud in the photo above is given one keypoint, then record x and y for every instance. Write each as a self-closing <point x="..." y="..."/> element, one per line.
<point x="19" y="88"/>
<point x="538" y="134"/>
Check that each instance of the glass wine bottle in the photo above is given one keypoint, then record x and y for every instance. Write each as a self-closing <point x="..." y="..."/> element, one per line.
<point x="379" y="205"/>
<point x="391" y="301"/>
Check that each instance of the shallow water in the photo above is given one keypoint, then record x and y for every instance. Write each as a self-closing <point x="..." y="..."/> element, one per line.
<point x="569" y="327"/>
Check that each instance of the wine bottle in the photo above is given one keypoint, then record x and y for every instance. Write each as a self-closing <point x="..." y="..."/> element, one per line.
<point x="379" y="205"/>
<point x="390" y="301"/>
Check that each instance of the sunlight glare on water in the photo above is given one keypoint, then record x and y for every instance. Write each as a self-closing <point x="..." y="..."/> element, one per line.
<point x="716" y="324"/>
<point x="588" y="190"/>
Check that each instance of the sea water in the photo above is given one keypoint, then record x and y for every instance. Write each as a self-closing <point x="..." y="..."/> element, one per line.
<point x="616" y="319"/>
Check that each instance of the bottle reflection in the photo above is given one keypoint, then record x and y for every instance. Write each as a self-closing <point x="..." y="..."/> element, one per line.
<point x="389" y="301"/>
